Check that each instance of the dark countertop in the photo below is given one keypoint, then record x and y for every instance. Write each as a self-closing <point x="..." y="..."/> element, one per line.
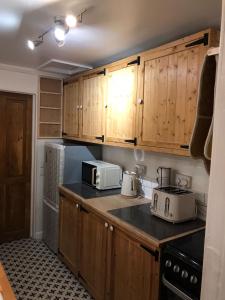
<point x="88" y="192"/>
<point x="141" y="217"/>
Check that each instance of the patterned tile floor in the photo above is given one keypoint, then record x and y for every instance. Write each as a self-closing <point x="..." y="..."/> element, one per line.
<point x="36" y="273"/>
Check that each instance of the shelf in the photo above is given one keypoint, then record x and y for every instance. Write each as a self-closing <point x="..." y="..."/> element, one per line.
<point x="49" y="107"/>
<point x="50" y="93"/>
<point x="51" y="123"/>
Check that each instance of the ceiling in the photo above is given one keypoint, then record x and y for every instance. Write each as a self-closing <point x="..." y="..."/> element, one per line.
<point x="111" y="29"/>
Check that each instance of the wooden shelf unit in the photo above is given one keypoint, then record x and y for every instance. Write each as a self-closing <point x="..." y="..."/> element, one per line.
<point x="50" y="107"/>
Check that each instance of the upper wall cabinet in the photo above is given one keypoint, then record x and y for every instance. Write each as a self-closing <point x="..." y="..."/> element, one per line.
<point x="168" y="90"/>
<point x="93" y="106"/>
<point x="71" y="109"/>
<point x="121" y="103"/>
<point x="148" y="101"/>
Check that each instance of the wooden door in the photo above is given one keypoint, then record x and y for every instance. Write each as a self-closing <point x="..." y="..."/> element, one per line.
<point x="69" y="232"/>
<point x="170" y="80"/>
<point x="15" y="165"/>
<point x="121" y="104"/>
<point x="93" y="106"/>
<point x="71" y="109"/>
<point x="93" y="251"/>
<point x="134" y="270"/>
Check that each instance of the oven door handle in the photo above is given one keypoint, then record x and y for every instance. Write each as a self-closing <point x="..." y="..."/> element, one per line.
<point x="175" y="290"/>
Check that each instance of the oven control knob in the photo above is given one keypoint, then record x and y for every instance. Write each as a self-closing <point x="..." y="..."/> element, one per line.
<point x="176" y="269"/>
<point x="184" y="274"/>
<point x="168" y="263"/>
<point x="193" y="279"/>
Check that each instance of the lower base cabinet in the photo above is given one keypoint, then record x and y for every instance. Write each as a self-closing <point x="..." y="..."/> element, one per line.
<point x="110" y="263"/>
<point x="93" y="252"/>
<point x="134" y="270"/>
<point x="69" y="232"/>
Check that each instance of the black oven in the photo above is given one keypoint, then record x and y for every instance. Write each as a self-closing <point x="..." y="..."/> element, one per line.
<point x="181" y="268"/>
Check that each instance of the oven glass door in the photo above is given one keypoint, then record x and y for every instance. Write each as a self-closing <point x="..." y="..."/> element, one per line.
<point x="171" y="292"/>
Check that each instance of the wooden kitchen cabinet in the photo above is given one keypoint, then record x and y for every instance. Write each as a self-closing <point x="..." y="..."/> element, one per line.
<point x="93" y="106"/>
<point x="69" y="232"/>
<point x="134" y="270"/>
<point x="111" y="263"/>
<point x="93" y="253"/>
<point x="121" y="102"/>
<point x="169" y="80"/>
<point x="71" y="109"/>
<point x="149" y="100"/>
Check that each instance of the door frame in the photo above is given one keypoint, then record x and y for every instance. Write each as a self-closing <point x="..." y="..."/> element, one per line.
<point x="33" y="201"/>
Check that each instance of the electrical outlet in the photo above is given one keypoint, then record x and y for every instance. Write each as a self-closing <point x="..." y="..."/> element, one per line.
<point x="140" y="170"/>
<point x="183" y="181"/>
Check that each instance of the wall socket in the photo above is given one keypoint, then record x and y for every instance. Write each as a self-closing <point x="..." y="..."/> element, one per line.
<point x="140" y="170"/>
<point x="183" y="181"/>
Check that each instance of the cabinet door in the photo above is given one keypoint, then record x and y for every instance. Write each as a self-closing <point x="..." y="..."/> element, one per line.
<point x="134" y="270"/>
<point x="69" y="232"/>
<point x="121" y="104"/>
<point x="169" y="90"/>
<point x="71" y="109"/>
<point x="93" y="102"/>
<point x="93" y="254"/>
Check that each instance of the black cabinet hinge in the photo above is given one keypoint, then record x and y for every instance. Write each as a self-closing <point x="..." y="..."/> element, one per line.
<point x="135" y="62"/>
<point x="184" y="146"/>
<point x="102" y="138"/>
<point x="204" y="40"/>
<point x="134" y="141"/>
<point x="103" y="72"/>
<point x="63" y="133"/>
<point x="154" y="253"/>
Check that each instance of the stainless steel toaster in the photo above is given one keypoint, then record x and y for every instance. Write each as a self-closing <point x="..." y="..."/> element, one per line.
<point x="173" y="204"/>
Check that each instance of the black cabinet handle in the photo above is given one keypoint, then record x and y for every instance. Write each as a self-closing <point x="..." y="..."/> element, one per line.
<point x="84" y="210"/>
<point x="134" y="141"/>
<point x="151" y="252"/>
<point x="184" y="146"/>
<point x="102" y="138"/>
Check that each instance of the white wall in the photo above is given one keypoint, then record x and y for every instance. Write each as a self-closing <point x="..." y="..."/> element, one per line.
<point x="214" y="258"/>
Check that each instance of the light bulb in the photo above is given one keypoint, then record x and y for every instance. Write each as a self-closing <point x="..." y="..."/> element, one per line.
<point x="71" y="21"/>
<point x="30" y="45"/>
<point x="60" y="33"/>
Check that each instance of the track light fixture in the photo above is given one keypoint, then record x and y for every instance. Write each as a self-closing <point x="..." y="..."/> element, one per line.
<point x="61" y="27"/>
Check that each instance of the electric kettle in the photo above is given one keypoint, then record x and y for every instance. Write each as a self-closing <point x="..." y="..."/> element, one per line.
<point x="129" y="184"/>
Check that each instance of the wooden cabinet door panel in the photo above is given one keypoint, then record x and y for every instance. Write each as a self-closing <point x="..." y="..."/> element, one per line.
<point x="170" y="86"/>
<point x="93" y="103"/>
<point x="69" y="232"/>
<point x="93" y="252"/>
<point x="121" y="104"/>
<point x="134" y="271"/>
<point x="71" y="109"/>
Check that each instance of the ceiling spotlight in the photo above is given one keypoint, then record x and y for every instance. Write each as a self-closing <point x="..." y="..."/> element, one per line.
<point x="30" y="45"/>
<point x="60" y="28"/>
<point x="71" y="21"/>
<point x="60" y="33"/>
